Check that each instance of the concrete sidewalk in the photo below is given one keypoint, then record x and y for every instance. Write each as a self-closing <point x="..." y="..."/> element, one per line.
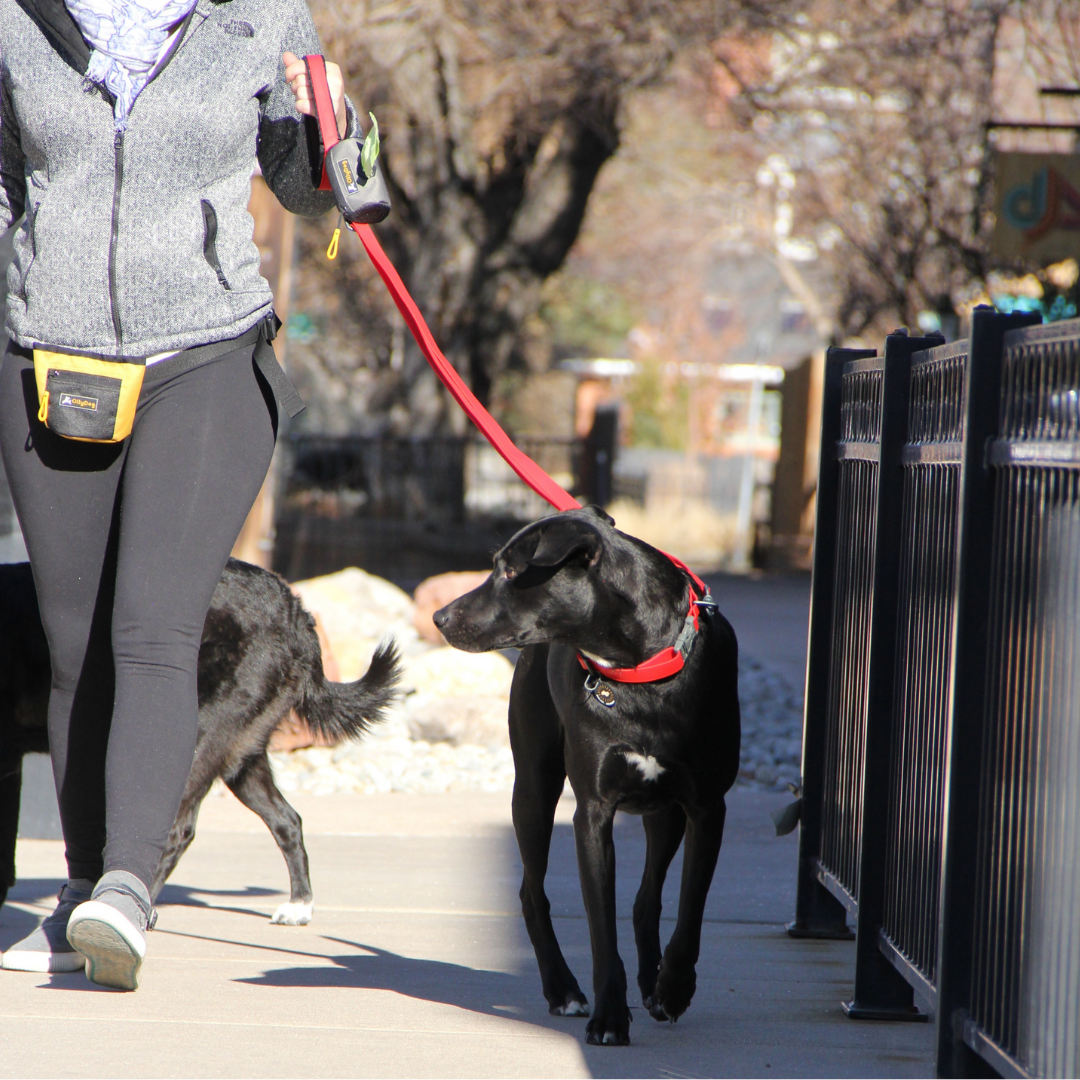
<point x="417" y="963"/>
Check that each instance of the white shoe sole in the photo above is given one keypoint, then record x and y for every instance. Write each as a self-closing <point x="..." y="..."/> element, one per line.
<point x="42" y="962"/>
<point x="113" y="947"/>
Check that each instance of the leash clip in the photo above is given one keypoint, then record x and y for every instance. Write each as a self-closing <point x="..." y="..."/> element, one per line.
<point x="599" y="690"/>
<point x="708" y="603"/>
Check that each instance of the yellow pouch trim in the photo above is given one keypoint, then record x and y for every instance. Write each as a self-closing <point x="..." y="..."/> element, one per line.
<point x="130" y="376"/>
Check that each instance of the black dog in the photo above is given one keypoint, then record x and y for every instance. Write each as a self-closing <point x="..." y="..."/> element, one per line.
<point x="571" y="590"/>
<point x="259" y="659"/>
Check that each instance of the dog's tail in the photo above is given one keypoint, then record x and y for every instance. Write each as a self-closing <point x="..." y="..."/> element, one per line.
<point x="339" y="711"/>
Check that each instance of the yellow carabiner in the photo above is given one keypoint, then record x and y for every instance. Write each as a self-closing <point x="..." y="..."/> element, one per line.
<point x="331" y="251"/>
<point x="43" y="412"/>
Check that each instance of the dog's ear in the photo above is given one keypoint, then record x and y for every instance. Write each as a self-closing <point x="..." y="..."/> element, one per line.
<point x="601" y="513"/>
<point x="566" y="537"/>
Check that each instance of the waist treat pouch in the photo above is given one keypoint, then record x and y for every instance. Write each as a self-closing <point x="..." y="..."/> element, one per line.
<point x="87" y="398"/>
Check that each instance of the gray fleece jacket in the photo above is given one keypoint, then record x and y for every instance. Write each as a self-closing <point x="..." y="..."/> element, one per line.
<point x="142" y="244"/>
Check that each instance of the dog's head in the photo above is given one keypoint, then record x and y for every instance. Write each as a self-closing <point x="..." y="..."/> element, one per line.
<point x="547" y="585"/>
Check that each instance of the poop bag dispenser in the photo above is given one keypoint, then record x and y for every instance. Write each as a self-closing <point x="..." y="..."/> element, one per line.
<point x="357" y="182"/>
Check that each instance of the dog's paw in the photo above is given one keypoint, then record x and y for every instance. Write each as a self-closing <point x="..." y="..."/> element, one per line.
<point x="610" y="1029"/>
<point x="654" y="1009"/>
<point x="291" y="914"/>
<point x="574" y="1005"/>
<point x="675" y="986"/>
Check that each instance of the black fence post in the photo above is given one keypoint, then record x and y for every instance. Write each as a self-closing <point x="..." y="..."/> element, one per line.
<point x="881" y="992"/>
<point x="968" y="690"/>
<point x="598" y="456"/>
<point x="818" y="914"/>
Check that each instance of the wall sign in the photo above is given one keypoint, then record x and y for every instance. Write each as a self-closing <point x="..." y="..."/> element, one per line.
<point x="1037" y="204"/>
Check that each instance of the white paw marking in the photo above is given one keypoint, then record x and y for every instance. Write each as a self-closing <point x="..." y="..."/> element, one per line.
<point x="648" y="766"/>
<point x="291" y="914"/>
<point x="573" y="1008"/>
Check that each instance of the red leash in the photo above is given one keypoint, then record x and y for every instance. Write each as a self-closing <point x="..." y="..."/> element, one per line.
<point x="668" y="661"/>
<point x="521" y="463"/>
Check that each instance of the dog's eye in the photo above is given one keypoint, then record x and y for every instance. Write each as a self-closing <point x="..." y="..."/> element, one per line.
<point x="509" y="573"/>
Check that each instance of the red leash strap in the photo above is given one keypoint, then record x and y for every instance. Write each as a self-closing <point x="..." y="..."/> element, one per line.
<point x="522" y="464"/>
<point x="668" y="661"/>
<point x="324" y="109"/>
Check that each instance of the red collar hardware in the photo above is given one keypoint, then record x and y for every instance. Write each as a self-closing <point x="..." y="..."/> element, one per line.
<point x="669" y="661"/>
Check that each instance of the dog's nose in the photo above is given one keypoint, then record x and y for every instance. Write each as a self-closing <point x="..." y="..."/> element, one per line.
<point x="440" y="618"/>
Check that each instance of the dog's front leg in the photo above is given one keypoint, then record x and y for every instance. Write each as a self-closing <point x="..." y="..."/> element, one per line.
<point x="536" y="739"/>
<point x="610" y="1023"/>
<point x="677" y="979"/>
<point x="664" y="831"/>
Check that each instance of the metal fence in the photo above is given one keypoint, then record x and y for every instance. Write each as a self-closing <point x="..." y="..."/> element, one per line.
<point x="931" y="491"/>
<point x="942" y="728"/>
<point x="857" y="452"/>
<point x="1014" y="978"/>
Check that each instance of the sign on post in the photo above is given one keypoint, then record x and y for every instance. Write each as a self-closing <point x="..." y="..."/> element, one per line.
<point x="1037" y="204"/>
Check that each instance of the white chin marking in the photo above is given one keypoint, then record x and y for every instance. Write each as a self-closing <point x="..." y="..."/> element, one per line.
<point x="649" y="767"/>
<point x="292" y="915"/>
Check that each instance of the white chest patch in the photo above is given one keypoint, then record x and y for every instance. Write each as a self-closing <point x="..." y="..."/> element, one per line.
<point x="648" y="766"/>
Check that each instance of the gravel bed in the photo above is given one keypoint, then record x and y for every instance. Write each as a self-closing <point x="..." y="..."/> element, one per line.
<point x="389" y="758"/>
<point x="772" y="715"/>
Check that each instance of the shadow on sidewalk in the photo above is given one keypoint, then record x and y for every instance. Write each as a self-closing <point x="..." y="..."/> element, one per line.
<point x="496" y="993"/>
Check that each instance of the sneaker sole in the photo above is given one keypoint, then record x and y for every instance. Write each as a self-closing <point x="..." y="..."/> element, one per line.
<point x="110" y="944"/>
<point x="43" y="963"/>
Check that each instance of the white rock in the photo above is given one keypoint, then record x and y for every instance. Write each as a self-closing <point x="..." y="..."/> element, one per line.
<point x="446" y="672"/>
<point x="464" y="719"/>
<point x="357" y="610"/>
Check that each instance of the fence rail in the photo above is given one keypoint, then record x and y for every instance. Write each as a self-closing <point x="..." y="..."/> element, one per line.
<point x="942" y="728"/>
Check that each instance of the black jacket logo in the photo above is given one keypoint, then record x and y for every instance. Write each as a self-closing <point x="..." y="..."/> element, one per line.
<point x="238" y="28"/>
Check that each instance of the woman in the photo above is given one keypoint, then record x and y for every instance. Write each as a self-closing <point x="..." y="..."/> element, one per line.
<point x="129" y="130"/>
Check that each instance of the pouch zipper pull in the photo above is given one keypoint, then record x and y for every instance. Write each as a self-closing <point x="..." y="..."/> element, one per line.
<point x="43" y="412"/>
<point x="331" y="251"/>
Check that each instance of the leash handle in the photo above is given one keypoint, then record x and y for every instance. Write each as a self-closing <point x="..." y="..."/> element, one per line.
<point x="324" y="110"/>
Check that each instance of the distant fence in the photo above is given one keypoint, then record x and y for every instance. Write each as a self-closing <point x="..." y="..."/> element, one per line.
<point x="941" y="800"/>
<point x="405" y="508"/>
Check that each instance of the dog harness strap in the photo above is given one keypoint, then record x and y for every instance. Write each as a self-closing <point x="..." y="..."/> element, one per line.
<point x="324" y="110"/>
<point x="669" y="661"/>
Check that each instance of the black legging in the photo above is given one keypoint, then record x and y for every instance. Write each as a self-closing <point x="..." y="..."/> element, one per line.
<point x="127" y="543"/>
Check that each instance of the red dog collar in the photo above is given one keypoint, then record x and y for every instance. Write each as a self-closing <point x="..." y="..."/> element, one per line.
<point x="669" y="661"/>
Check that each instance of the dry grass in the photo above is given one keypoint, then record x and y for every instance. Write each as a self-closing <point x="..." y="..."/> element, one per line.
<point x="690" y="530"/>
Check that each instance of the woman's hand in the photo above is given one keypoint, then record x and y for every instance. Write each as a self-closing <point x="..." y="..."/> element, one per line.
<point x="297" y="77"/>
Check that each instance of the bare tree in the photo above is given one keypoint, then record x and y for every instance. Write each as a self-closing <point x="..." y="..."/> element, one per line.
<point x="497" y="116"/>
<point x="880" y="109"/>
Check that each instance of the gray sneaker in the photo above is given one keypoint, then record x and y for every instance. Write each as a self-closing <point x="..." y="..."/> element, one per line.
<point x="110" y="930"/>
<point x="47" y="948"/>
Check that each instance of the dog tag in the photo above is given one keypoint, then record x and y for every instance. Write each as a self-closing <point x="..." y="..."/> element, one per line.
<point x="605" y="695"/>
